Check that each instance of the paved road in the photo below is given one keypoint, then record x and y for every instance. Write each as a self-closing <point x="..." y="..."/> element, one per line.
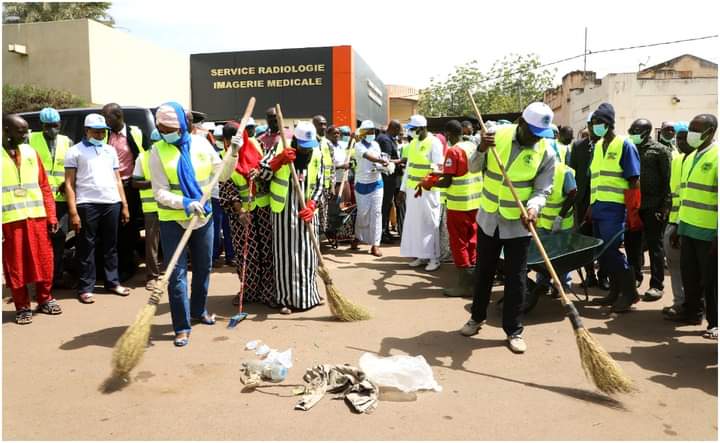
<point x="53" y="368"/>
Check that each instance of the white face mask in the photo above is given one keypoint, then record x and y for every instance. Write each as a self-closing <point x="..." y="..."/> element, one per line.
<point x="411" y="133"/>
<point x="695" y="139"/>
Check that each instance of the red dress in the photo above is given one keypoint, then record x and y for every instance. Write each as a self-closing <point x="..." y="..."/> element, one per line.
<point x="26" y="246"/>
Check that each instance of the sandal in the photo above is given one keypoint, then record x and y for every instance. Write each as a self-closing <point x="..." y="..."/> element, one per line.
<point x="23" y="317"/>
<point x="711" y="334"/>
<point x="181" y="339"/>
<point x="206" y="319"/>
<point x="50" y="308"/>
<point x="87" y="298"/>
<point x="120" y="290"/>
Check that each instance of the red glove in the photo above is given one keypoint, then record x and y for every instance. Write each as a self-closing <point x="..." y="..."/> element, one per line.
<point x="632" y="203"/>
<point x="307" y="214"/>
<point x="429" y="181"/>
<point x="285" y="156"/>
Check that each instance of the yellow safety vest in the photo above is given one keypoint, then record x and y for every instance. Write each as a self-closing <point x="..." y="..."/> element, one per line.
<point x="21" y="194"/>
<point x="281" y="180"/>
<point x="169" y="156"/>
<point x="675" y="175"/>
<point x="327" y="163"/>
<point x="607" y="183"/>
<point x="146" y="195"/>
<point x="135" y="133"/>
<point x="699" y="190"/>
<point x="418" y="163"/>
<point x="54" y="168"/>
<point x="562" y="151"/>
<point x="244" y="189"/>
<point x="555" y="200"/>
<point x="496" y="196"/>
<point x="464" y="192"/>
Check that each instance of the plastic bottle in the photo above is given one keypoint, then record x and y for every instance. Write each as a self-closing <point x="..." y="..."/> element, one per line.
<point x="274" y="372"/>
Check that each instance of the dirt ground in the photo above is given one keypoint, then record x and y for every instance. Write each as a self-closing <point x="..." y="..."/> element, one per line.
<point x="52" y="369"/>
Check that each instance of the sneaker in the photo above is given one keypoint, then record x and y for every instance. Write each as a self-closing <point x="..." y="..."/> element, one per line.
<point x="517" y="344"/>
<point x="653" y="294"/>
<point x="470" y="328"/>
<point x="417" y="262"/>
<point x="433" y="265"/>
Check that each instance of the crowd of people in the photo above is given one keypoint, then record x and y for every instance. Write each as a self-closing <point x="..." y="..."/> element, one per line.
<point x="441" y="195"/>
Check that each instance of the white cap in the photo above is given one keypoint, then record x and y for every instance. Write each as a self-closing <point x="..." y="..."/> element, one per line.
<point x="251" y="122"/>
<point x="367" y="124"/>
<point x="417" y="121"/>
<point x="306" y="135"/>
<point x="209" y="126"/>
<point x="95" y="121"/>
<point x="539" y="117"/>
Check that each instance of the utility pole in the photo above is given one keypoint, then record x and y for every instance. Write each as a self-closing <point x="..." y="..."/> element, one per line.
<point x="585" y="55"/>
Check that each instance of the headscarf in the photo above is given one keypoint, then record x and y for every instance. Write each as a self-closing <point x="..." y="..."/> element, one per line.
<point x="186" y="173"/>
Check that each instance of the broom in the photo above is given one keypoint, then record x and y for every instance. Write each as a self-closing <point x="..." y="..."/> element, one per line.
<point x="240" y="316"/>
<point x="342" y="308"/>
<point x="596" y="362"/>
<point x="130" y="347"/>
<point x="345" y="173"/>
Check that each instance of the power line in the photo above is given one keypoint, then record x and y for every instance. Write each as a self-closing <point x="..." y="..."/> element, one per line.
<point x="566" y="59"/>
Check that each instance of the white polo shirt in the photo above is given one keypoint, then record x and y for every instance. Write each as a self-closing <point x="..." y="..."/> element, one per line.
<point x="95" y="166"/>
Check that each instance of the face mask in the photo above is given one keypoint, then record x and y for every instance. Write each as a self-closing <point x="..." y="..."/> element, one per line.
<point x="637" y="139"/>
<point x="171" y="137"/>
<point x="600" y="130"/>
<point x="95" y="141"/>
<point x="155" y="135"/>
<point x="51" y="133"/>
<point x="370" y="138"/>
<point x="411" y="133"/>
<point x="666" y="139"/>
<point x="345" y="138"/>
<point x="695" y="139"/>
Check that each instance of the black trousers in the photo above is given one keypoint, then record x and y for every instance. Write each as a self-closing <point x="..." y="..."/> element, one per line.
<point x="99" y="227"/>
<point x="58" y="240"/>
<point x="652" y="234"/>
<point x="698" y="266"/>
<point x="129" y="234"/>
<point x="389" y="189"/>
<point x="587" y="229"/>
<point x="400" y="210"/>
<point x="515" y="270"/>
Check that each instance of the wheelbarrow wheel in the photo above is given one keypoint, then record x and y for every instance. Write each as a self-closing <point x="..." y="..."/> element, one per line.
<point x="532" y="295"/>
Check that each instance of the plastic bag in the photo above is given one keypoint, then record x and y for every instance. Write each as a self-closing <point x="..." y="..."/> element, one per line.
<point x="408" y="374"/>
<point x="282" y="358"/>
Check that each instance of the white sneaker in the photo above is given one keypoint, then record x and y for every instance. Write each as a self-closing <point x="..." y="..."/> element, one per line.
<point x="433" y="265"/>
<point x="417" y="262"/>
<point x="517" y="344"/>
<point x="471" y="327"/>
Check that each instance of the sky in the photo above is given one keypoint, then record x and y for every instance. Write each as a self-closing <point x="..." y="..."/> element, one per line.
<point x="411" y="42"/>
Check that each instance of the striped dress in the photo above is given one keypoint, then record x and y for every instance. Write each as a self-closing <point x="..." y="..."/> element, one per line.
<point x="293" y="253"/>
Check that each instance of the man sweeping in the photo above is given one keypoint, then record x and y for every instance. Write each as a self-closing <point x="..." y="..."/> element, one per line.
<point x="530" y="165"/>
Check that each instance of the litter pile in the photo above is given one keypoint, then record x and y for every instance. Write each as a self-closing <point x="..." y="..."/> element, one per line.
<point x="271" y="365"/>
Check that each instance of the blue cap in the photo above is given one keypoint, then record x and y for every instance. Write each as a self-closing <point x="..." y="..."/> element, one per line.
<point x="49" y="115"/>
<point x="681" y="127"/>
<point x="261" y="129"/>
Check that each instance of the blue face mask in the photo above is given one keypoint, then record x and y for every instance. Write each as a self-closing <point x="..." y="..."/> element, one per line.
<point x="155" y="135"/>
<point x="171" y="137"/>
<point x="600" y="130"/>
<point x="345" y="138"/>
<point x="95" y="141"/>
<point x="370" y="138"/>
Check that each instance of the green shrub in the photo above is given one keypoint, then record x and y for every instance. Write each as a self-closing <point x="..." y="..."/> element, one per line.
<point x="26" y="98"/>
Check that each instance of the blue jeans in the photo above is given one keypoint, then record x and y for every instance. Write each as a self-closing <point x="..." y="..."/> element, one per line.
<point x="609" y="219"/>
<point x="200" y="244"/>
<point x="542" y="279"/>
<point x="220" y="221"/>
<point x="99" y="222"/>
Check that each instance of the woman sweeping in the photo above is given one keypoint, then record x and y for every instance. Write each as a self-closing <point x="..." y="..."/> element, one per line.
<point x="247" y="205"/>
<point x="293" y="253"/>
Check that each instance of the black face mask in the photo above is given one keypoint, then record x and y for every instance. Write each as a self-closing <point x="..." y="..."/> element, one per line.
<point x="272" y="126"/>
<point x="51" y="133"/>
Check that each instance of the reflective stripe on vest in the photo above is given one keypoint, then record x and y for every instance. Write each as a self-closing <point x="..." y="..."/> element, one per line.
<point x="464" y="192"/>
<point x="418" y="163"/>
<point x="555" y="201"/>
<point x="146" y="195"/>
<point x="30" y="204"/>
<point x="244" y="190"/>
<point x="54" y="167"/>
<point x="280" y="181"/>
<point x="698" y="190"/>
<point x="675" y="176"/>
<point x="607" y="183"/>
<point x="496" y="196"/>
<point x="169" y="156"/>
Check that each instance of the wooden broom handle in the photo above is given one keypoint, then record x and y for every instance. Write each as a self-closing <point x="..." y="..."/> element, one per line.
<point x="346" y="172"/>
<point x="298" y="189"/>
<point x="523" y="211"/>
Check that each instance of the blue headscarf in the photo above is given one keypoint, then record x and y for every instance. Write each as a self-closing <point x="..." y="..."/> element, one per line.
<point x="186" y="173"/>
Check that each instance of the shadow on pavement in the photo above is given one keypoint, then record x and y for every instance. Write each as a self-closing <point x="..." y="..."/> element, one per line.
<point x="108" y="336"/>
<point x="429" y="284"/>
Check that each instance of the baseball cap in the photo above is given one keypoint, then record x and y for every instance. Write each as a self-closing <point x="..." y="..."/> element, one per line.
<point x="367" y="124"/>
<point x="538" y="117"/>
<point x="305" y="134"/>
<point x="259" y="130"/>
<point x="251" y="122"/>
<point x="95" y="121"/>
<point x="345" y="130"/>
<point x="681" y="127"/>
<point x="49" y="115"/>
<point x="417" y="121"/>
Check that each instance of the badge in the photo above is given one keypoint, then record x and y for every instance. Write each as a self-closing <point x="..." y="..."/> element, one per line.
<point x="20" y="192"/>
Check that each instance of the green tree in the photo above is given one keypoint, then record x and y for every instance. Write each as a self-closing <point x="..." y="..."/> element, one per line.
<point x="26" y="98"/>
<point x="511" y="83"/>
<point x="50" y="11"/>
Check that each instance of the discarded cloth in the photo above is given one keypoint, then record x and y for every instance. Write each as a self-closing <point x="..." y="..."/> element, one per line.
<point x="346" y="381"/>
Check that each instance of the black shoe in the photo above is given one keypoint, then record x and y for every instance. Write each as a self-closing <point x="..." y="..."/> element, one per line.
<point x="683" y="317"/>
<point x="613" y="295"/>
<point x="604" y="284"/>
<point x="388" y="239"/>
<point x="591" y="282"/>
<point x="629" y="292"/>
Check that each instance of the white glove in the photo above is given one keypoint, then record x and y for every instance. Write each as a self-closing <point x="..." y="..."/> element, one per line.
<point x="557" y="224"/>
<point x="196" y="208"/>
<point x="236" y="142"/>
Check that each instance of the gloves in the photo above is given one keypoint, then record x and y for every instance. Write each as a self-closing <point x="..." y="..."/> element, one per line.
<point x="557" y="224"/>
<point x="236" y="142"/>
<point x="193" y="207"/>
<point x="307" y="214"/>
<point x="285" y="156"/>
<point x="418" y="191"/>
<point x="429" y="181"/>
<point x="632" y="203"/>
